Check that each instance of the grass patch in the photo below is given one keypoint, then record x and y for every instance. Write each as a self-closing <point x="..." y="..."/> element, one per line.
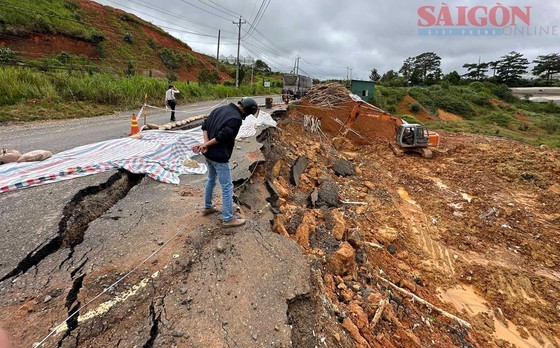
<point x="28" y="95"/>
<point x="22" y="18"/>
<point x="410" y="119"/>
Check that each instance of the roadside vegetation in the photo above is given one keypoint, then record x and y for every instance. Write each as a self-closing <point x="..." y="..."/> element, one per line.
<point x="28" y="94"/>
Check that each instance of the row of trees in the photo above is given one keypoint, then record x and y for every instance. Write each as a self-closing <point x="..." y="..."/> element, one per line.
<point x="509" y="69"/>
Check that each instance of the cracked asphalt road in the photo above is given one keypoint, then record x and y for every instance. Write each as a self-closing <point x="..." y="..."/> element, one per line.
<point x="63" y="247"/>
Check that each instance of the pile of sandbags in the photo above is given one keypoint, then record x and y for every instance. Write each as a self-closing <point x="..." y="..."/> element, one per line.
<point x="11" y="156"/>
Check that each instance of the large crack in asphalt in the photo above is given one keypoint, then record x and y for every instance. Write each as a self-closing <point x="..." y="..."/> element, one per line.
<point x="86" y="206"/>
<point x="71" y="298"/>
<point x="154" y="330"/>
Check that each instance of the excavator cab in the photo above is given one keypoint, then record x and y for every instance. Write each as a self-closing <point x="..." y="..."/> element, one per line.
<point x="412" y="137"/>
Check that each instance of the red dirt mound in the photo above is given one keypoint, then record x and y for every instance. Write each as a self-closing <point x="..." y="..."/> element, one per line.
<point x="370" y="124"/>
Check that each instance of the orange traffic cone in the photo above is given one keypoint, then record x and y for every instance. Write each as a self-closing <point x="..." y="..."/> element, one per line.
<point x="134" y="127"/>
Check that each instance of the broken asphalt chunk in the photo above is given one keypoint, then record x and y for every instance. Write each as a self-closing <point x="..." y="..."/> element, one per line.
<point x="343" y="167"/>
<point x="328" y="193"/>
<point x="297" y="169"/>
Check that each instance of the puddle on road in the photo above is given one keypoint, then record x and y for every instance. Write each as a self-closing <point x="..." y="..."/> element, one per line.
<point x="405" y="196"/>
<point x="464" y="297"/>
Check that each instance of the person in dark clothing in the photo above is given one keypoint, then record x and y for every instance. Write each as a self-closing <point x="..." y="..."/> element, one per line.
<point x="220" y="129"/>
<point x="170" y="100"/>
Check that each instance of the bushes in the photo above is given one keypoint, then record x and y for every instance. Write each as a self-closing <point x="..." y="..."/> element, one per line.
<point x="208" y="76"/>
<point x="97" y="37"/>
<point x="498" y="118"/>
<point x="550" y="124"/>
<point x="410" y="119"/>
<point x="169" y="58"/>
<point x="128" y="38"/>
<point x="7" y="55"/>
<point x="415" y="107"/>
<point x="481" y="99"/>
<point x="454" y="104"/>
<point x="503" y="92"/>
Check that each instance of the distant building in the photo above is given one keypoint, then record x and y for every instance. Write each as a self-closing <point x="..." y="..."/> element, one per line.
<point x="363" y="89"/>
<point x="242" y="60"/>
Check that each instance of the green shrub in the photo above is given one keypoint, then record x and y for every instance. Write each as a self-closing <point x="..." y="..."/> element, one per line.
<point x="454" y="104"/>
<point x="480" y="99"/>
<point x="169" y="58"/>
<point x="498" y="118"/>
<point x="415" y="107"/>
<point x="7" y="55"/>
<point x="97" y="37"/>
<point x="476" y="86"/>
<point x="63" y="57"/>
<point x="550" y="124"/>
<point x="208" y="76"/>
<point x="503" y="92"/>
<point x="152" y="43"/>
<point x="128" y="38"/>
<point x="410" y="119"/>
<point x="171" y="76"/>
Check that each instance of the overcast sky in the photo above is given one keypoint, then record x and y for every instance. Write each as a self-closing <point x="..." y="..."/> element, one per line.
<point x="333" y="35"/>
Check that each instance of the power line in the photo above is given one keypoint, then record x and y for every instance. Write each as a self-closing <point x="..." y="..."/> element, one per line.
<point x="220" y="8"/>
<point x="258" y="17"/>
<point x="257" y="52"/>
<point x="212" y="13"/>
<point x="161" y="19"/>
<point x="326" y="66"/>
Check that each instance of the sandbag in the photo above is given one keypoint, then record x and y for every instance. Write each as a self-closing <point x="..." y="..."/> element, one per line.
<point x="9" y="156"/>
<point x="36" y="155"/>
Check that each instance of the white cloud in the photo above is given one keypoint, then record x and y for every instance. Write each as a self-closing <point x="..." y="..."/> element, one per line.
<point x="331" y="35"/>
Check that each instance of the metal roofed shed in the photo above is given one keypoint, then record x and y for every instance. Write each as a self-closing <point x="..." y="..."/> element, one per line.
<point x="363" y="89"/>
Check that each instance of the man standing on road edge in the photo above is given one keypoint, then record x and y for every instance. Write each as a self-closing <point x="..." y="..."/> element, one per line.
<point x="170" y="100"/>
<point x="220" y="129"/>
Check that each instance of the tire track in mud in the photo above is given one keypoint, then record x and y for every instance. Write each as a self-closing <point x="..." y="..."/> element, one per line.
<point x="511" y="283"/>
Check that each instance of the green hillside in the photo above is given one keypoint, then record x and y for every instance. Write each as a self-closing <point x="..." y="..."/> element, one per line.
<point x="480" y="107"/>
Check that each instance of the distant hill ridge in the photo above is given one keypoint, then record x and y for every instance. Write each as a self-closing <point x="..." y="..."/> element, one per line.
<point x="85" y="33"/>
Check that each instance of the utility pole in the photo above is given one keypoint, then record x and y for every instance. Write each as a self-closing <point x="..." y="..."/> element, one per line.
<point x="252" y="68"/>
<point x="238" y="44"/>
<point x="218" y="54"/>
<point x="297" y="76"/>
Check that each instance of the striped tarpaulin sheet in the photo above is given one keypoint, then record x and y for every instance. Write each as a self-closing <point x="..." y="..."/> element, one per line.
<point x="159" y="154"/>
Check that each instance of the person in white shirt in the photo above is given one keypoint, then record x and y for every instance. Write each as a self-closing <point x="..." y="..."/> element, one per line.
<point x="170" y="100"/>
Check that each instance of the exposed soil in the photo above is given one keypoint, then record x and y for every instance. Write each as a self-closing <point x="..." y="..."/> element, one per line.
<point x="114" y="53"/>
<point x="448" y="116"/>
<point x="474" y="231"/>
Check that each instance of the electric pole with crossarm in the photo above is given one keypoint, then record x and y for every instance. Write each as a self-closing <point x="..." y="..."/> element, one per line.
<point x="238" y="44"/>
